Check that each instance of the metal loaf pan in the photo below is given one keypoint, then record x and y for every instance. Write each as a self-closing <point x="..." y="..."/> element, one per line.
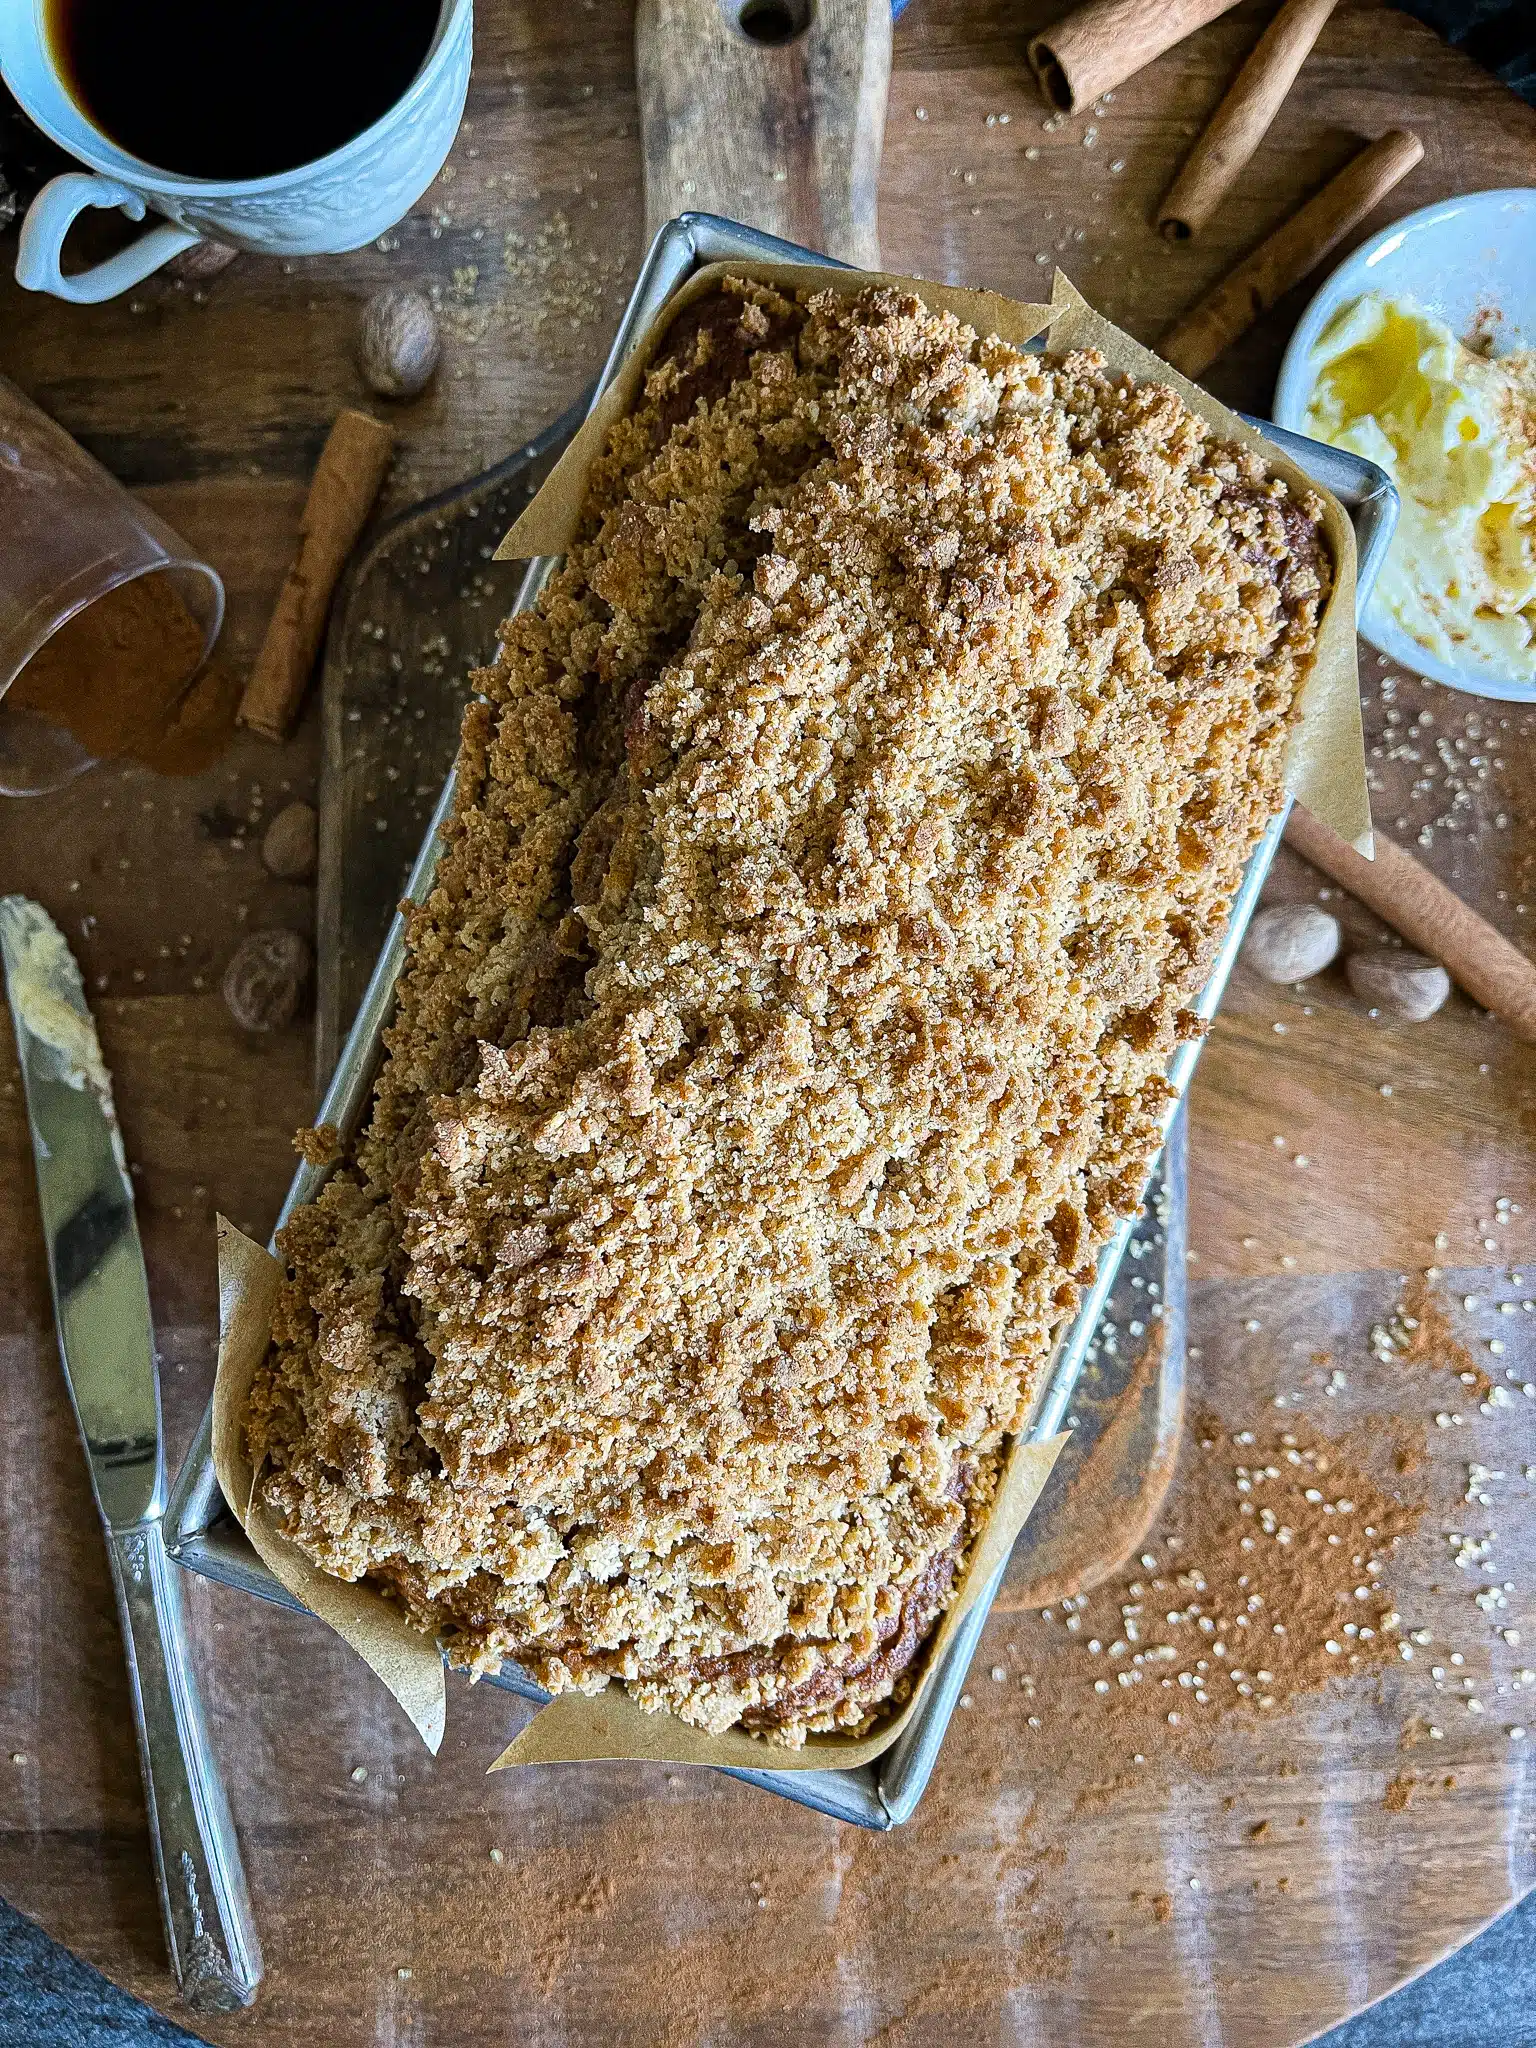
<point x="205" y="1536"/>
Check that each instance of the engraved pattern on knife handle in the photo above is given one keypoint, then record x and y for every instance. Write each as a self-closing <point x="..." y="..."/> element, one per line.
<point x="209" y="1931"/>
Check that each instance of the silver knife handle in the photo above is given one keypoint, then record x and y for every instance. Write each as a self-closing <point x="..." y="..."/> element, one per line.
<point x="208" y="1926"/>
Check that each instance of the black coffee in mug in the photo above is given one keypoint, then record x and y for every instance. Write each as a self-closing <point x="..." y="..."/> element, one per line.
<point x="229" y="89"/>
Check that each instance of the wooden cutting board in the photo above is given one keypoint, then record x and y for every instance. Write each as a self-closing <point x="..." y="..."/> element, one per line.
<point x="1029" y="1901"/>
<point x="771" y="112"/>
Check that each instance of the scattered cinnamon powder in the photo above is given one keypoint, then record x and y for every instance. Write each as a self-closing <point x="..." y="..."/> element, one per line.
<point x="1101" y="1794"/>
<point x="1406" y="1784"/>
<point x="120" y="677"/>
<point x="200" y="729"/>
<point x="1398" y="1793"/>
<point x="1265" y="1582"/>
<point x="1161" y="1903"/>
<point x="556" y="1939"/>
<point x="1037" y="1954"/>
<point x="1420" y="1332"/>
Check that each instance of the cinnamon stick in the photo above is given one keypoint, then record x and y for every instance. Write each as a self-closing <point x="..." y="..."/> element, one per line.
<point x="1195" y="340"/>
<point x="1430" y="916"/>
<point x="346" y="482"/>
<point x="1098" y="46"/>
<point x="1242" y="120"/>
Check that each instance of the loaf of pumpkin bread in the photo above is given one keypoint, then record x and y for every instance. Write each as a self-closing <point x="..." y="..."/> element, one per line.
<point x="839" y="845"/>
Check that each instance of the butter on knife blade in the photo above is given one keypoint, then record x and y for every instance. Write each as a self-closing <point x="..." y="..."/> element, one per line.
<point x="100" y="1296"/>
<point x="47" y="995"/>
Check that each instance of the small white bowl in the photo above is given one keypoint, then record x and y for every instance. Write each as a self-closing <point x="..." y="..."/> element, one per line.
<point x="1459" y="259"/>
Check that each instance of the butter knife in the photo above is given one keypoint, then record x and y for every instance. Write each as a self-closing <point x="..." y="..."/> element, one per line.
<point x="106" y="1341"/>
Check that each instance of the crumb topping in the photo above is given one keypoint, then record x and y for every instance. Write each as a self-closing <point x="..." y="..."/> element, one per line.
<point x="838" y="849"/>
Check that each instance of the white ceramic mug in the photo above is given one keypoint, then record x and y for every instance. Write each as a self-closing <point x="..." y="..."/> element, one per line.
<point x="338" y="202"/>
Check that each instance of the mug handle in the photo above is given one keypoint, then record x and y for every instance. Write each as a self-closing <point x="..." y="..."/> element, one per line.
<point x="49" y="219"/>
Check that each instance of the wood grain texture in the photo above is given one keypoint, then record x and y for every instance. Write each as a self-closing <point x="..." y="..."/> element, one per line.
<point x="1240" y="123"/>
<point x="1109" y="1483"/>
<point x="784" y="136"/>
<point x="625" y="1907"/>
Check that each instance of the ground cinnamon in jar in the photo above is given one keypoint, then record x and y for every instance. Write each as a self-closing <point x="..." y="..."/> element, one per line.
<point x="122" y="677"/>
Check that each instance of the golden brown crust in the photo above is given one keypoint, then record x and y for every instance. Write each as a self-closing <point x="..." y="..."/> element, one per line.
<point x="842" y="842"/>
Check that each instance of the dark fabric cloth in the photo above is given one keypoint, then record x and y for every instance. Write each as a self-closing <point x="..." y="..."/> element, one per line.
<point x="1484" y="1996"/>
<point x="1499" y="34"/>
<point x="50" y="1999"/>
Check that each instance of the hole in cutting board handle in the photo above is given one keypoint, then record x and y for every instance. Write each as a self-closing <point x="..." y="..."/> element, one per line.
<point x="770" y="23"/>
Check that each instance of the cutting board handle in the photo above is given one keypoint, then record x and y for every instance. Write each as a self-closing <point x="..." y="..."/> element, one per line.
<point x="771" y="112"/>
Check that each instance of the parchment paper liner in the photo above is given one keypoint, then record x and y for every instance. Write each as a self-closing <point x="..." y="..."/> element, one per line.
<point x="1325" y="770"/>
<point x="573" y="1728"/>
<point x="407" y="1661"/>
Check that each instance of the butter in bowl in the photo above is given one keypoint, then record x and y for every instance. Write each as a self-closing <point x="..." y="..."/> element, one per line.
<point x="1418" y="354"/>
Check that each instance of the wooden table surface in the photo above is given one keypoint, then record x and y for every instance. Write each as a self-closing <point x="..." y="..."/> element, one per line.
<point x="1034" y="1898"/>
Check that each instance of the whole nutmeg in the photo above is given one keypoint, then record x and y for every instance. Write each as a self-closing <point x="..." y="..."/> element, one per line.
<point x="1291" y="941"/>
<point x="1407" y="985"/>
<point x="398" y="345"/>
<point x="291" y="843"/>
<point x="265" y="980"/>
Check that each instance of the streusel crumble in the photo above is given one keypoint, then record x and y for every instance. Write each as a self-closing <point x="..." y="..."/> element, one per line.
<point x="837" y="851"/>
